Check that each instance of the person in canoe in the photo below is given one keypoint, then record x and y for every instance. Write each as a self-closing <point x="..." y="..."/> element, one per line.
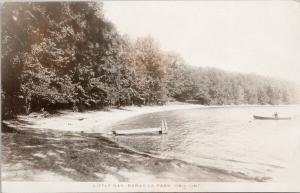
<point x="276" y="115"/>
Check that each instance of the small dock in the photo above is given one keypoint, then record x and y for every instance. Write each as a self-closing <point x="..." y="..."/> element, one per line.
<point x="156" y="130"/>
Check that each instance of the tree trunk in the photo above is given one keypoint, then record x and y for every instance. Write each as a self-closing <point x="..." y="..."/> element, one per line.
<point x="27" y="105"/>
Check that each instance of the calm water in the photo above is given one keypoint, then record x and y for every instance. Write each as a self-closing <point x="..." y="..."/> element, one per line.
<point x="227" y="138"/>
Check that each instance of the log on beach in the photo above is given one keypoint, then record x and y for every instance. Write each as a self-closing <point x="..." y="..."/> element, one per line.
<point x="157" y="130"/>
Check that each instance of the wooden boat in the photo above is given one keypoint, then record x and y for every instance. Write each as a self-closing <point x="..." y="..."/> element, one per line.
<point x="271" y="118"/>
<point x="156" y="130"/>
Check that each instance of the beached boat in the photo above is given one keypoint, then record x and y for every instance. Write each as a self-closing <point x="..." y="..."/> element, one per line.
<point x="156" y="130"/>
<point x="271" y="118"/>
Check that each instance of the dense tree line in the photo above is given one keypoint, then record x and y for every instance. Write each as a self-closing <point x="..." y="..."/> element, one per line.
<point x="67" y="55"/>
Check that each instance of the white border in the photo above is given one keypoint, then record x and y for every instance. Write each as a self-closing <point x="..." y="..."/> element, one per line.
<point x="26" y="187"/>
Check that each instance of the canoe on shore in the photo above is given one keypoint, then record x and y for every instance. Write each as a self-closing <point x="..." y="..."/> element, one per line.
<point x="271" y="118"/>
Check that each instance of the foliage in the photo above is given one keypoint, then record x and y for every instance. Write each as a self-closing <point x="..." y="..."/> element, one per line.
<point x="67" y="55"/>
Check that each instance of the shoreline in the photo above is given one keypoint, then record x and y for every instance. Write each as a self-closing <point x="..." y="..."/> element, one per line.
<point x="100" y="121"/>
<point x="52" y="148"/>
<point x="34" y="155"/>
<point x="90" y="121"/>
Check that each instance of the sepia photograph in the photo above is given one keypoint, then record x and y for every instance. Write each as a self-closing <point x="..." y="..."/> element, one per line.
<point x="150" y="95"/>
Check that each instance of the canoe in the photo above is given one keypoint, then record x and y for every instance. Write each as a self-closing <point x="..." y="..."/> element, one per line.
<point x="271" y="118"/>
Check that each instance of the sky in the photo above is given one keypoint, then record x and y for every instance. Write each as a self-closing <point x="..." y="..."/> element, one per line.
<point x="261" y="37"/>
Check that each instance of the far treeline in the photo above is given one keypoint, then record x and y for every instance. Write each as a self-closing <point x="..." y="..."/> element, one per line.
<point x="66" y="55"/>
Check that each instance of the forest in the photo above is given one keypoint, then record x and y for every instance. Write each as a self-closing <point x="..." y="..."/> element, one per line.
<point x="67" y="55"/>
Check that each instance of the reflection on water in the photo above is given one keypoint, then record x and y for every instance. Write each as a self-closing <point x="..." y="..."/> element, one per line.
<point x="226" y="138"/>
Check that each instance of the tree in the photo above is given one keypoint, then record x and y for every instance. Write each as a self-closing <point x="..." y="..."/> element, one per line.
<point x="67" y="55"/>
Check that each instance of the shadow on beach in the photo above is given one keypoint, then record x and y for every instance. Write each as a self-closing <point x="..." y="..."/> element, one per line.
<point x="49" y="155"/>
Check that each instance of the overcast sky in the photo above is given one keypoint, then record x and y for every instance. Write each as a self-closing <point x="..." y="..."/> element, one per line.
<point x="245" y="36"/>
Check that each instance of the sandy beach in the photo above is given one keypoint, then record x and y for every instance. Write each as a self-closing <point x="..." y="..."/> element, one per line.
<point x="91" y="121"/>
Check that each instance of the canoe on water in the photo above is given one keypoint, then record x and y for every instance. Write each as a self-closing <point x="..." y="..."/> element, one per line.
<point x="271" y="118"/>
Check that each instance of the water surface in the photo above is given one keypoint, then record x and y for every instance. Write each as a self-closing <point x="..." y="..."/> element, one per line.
<point x="227" y="138"/>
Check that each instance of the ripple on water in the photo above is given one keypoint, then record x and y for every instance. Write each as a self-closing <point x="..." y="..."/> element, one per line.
<point x="225" y="138"/>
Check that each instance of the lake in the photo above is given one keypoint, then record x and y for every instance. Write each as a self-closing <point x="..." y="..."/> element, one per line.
<point x="227" y="138"/>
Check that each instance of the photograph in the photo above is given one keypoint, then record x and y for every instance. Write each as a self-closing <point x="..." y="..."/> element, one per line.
<point x="160" y="95"/>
